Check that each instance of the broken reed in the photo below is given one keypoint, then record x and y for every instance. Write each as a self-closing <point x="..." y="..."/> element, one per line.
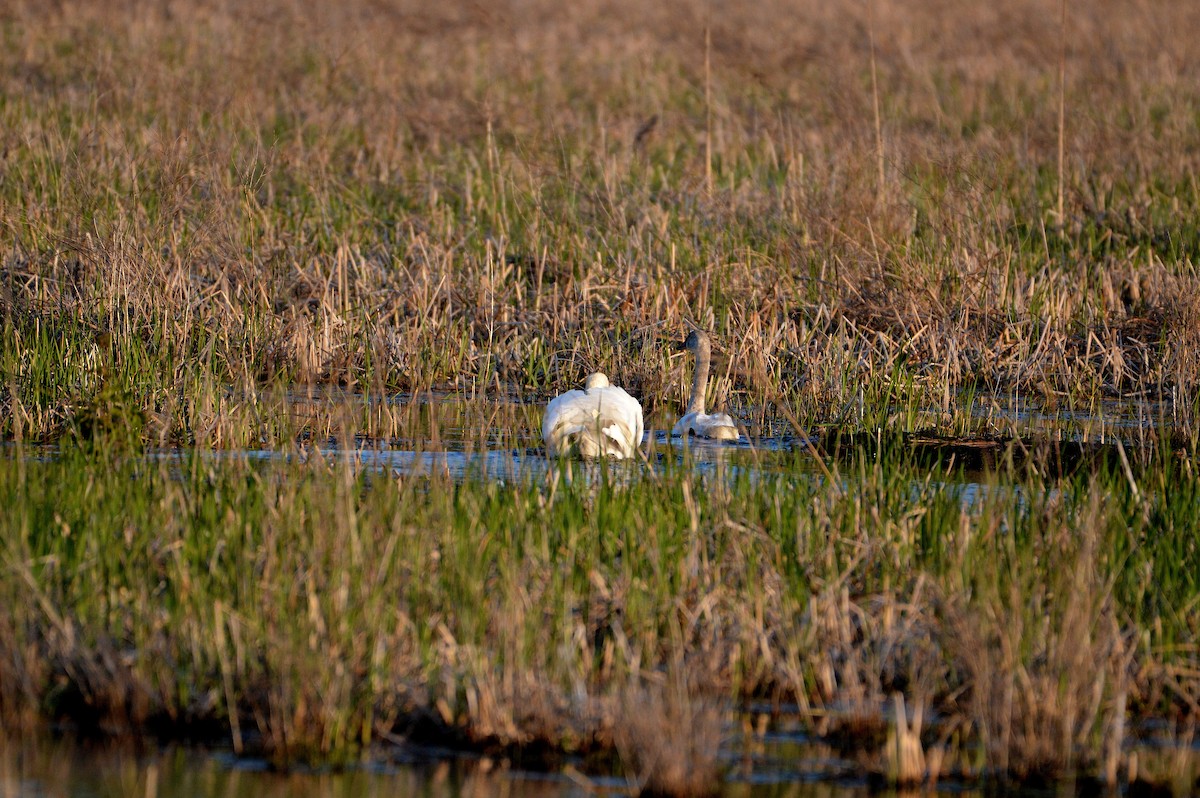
<point x="211" y="204"/>
<point x="310" y="608"/>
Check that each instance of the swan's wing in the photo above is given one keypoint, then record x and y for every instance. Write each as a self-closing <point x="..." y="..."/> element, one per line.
<point x="722" y="420"/>
<point x="719" y="426"/>
<point x="621" y="416"/>
<point x="570" y="418"/>
<point x="619" y="439"/>
<point x="685" y="425"/>
<point x="640" y="427"/>
<point x="561" y="408"/>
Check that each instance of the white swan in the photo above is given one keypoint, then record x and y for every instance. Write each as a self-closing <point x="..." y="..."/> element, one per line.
<point x="599" y="420"/>
<point x="718" y="426"/>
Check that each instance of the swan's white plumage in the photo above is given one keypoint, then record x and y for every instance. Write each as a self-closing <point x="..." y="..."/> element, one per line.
<point x="601" y="420"/>
<point x="718" y="426"/>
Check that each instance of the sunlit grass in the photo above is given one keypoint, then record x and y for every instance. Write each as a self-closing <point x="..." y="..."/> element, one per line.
<point x="312" y="608"/>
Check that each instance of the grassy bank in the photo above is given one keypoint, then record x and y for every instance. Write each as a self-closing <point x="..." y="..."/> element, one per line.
<point x="314" y="613"/>
<point x="855" y="199"/>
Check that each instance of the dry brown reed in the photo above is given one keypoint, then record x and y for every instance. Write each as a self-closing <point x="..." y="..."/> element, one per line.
<point x="669" y="740"/>
<point x="459" y="198"/>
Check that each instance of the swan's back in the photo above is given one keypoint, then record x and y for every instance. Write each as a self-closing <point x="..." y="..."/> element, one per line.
<point x="717" y="426"/>
<point x="600" y="421"/>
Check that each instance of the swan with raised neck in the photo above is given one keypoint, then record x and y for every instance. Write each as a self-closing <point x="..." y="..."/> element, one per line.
<point x="718" y="426"/>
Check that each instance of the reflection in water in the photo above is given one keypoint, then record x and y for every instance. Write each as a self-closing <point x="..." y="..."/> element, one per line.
<point x="511" y="464"/>
<point x="39" y="765"/>
<point x="454" y="459"/>
<point x="42" y="766"/>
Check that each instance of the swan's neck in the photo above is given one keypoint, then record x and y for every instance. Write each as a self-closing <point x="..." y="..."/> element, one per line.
<point x="699" y="378"/>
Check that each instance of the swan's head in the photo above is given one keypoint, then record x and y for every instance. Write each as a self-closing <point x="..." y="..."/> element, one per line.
<point x="596" y="380"/>
<point x="695" y="343"/>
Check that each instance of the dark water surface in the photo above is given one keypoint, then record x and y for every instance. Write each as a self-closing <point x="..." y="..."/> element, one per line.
<point x="45" y="766"/>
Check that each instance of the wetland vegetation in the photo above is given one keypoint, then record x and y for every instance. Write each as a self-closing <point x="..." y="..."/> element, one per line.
<point x="286" y="288"/>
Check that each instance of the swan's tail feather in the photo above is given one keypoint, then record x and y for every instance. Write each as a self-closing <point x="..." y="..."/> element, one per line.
<point x="618" y="435"/>
<point x="603" y="421"/>
<point x="576" y="439"/>
<point x="590" y="441"/>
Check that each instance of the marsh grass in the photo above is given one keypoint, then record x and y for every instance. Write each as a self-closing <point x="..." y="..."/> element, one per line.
<point x="204" y="205"/>
<point x="282" y="228"/>
<point x="313" y="610"/>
